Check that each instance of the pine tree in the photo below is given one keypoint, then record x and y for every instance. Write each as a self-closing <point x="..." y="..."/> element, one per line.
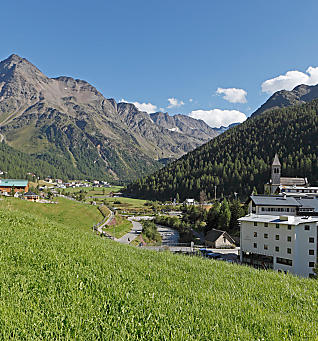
<point x="225" y="216"/>
<point x="237" y="211"/>
<point x="213" y="216"/>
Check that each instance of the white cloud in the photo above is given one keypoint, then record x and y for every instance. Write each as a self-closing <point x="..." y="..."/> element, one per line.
<point x="147" y="107"/>
<point x="174" y="103"/>
<point x="190" y="100"/>
<point x="216" y="118"/>
<point x="290" y="80"/>
<point x="233" y="95"/>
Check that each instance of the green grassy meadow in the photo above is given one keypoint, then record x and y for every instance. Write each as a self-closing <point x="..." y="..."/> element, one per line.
<point x="60" y="281"/>
<point x="68" y="212"/>
<point x="122" y="227"/>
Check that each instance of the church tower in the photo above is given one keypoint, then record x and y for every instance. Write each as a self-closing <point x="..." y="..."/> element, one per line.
<point x="276" y="172"/>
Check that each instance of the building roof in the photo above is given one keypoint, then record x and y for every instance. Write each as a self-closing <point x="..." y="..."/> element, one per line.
<point x="293" y="181"/>
<point x="276" y="160"/>
<point x="287" y="220"/>
<point x="13" y="183"/>
<point x="274" y="200"/>
<point x="307" y="188"/>
<point x="30" y="194"/>
<point x="309" y="202"/>
<point x="214" y="234"/>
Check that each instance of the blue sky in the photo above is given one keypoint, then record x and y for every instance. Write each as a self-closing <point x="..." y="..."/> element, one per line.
<point x="153" y="51"/>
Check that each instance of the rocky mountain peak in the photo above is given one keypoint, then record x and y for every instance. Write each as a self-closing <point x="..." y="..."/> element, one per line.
<point x="300" y="94"/>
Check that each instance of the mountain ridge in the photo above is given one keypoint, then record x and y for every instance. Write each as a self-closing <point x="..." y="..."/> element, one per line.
<point x="68" y="118"/>
<point x="300" y="94"/>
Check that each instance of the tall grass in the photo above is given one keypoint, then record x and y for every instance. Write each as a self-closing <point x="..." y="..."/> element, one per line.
<point x="60" y="281"/>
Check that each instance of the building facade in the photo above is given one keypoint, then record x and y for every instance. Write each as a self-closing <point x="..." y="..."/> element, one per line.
<point x="6" y="185"/>
<point x="283" y="243"/>
<point x="273" y="205"/>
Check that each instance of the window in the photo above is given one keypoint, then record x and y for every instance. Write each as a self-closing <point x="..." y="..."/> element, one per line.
<point x="263" y="209"/>
<point x="255" y="244"/>
<point x="311" y="252"/>
<point x="288" y="250"/>
<point x="277" y="248"/>
<point x="255" y="223"/>
<point x="284" y="261"/>
<point x="255" y="234"/>
<point x="307" y="227"/>
<point x="266" y="224"/>
<point x="277" y="226"/>
<point x="277" y="237"/>
<point x="265" y="235"/>
<point x="289" y="227"/>
<point x="289" y="238"/>
<point x="311" y="239"/>
<point x="311" y="264"/>
<point x="265" y="247"/>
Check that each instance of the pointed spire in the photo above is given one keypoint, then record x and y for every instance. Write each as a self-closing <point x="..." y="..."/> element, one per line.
<point x="276" y="160"/>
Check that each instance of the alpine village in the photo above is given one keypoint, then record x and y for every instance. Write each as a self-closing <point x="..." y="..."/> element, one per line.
<point x="120" y="224"/>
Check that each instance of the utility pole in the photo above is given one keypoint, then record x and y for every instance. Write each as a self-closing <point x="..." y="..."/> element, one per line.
<point x="215" y="192"/>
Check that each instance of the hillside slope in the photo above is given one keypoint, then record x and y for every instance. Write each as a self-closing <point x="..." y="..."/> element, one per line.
<point x="240" y="158"/>
<point x="60" y="281"/>
<point x="67" y="120"/>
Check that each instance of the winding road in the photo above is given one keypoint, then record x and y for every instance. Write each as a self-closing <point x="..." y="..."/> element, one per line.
<point x="133" y="234"/>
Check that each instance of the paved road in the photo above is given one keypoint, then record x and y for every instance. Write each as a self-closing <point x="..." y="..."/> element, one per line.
<point x="133" y="234"/>
<point x="99" y="227"/>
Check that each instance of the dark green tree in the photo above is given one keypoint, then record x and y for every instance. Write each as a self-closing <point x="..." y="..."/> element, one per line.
<point x="213" y="216"/>
<point x="224" y="216"/>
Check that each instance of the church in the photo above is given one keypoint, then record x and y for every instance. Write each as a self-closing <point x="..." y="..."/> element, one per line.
<point x="277" y="181"/>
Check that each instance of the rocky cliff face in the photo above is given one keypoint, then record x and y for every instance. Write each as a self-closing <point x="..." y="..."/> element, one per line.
<point x="299" y="95"/>
<point x="66" y="119"/>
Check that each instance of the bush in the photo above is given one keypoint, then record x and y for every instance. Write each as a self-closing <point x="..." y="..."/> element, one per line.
<point x="150" y="231"/>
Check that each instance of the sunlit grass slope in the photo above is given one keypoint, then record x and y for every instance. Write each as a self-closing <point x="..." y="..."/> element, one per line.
<point x="60" y="281"/>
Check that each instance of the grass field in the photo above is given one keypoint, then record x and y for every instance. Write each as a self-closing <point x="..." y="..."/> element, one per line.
<point x="127" y="202"/>
<point x="92" y="191"/>
<point x="122" y="227"/>
<point x="60" y="281"/>
<point x="68" y="212"/>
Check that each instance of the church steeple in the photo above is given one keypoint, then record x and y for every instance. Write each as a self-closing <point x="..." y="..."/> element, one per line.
<point x="276" y="161"/>
<point x="276" y="171"/>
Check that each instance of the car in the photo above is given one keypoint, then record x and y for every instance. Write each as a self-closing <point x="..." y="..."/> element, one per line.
<point x="212" y="255"/>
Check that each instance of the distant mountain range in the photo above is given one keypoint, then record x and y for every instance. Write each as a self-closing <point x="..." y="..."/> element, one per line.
<point x="299" y="95"/>
<point x="71" y="126"/>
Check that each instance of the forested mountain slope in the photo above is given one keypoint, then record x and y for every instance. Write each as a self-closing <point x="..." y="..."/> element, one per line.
<point x="240" y="158"/>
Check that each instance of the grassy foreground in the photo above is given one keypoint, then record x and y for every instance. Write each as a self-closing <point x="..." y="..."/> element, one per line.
<point x="60" y="281"/>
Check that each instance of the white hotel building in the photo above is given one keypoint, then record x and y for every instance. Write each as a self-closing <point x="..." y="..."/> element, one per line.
<point x="283" y="243"/>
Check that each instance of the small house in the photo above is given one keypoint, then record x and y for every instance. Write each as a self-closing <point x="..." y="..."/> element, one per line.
<point x="189" y="202"/>
<point x="218" y="239"/>
<point x="30" y="196"/>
